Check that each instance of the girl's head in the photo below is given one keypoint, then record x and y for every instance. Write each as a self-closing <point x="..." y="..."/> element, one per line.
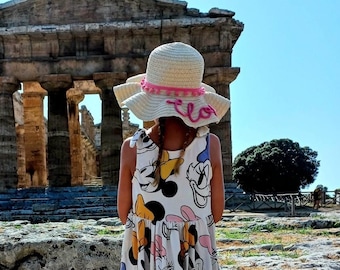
<point x="172" y="86"/>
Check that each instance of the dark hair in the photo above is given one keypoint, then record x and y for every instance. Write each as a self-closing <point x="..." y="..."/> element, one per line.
<point x="158" y="163"/>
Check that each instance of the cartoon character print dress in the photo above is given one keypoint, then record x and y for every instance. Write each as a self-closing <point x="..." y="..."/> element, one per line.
<point x="171" y="225"/>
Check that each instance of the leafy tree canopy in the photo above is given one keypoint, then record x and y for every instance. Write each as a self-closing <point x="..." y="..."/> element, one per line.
<point x="275" y="167"/>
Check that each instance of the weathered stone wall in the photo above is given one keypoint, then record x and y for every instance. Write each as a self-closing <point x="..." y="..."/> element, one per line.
<point x="87" y="122"/>
<point x="90" y="152"/>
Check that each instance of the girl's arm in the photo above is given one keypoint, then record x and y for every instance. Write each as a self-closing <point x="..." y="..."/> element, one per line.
<point x="127" y="168"/>
<point x="217" y="181"/>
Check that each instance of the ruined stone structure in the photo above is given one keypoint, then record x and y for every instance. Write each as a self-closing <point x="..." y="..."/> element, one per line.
<point x="61" y="45"/>
<point x="128" y="128"/>
<point x="84" y="134"/>
<point x="90" y="150"/>
<point x="32" y="139"/>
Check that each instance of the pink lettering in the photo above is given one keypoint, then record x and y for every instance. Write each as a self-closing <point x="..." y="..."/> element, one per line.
<point x="204" y="112"/>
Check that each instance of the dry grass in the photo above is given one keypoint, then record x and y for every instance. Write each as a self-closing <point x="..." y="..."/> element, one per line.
<point x="236" y="242"/>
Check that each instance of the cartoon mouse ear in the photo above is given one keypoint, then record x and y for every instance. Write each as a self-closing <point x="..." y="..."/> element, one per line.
<point x="169" y="188"/>
<point x="157" y="209"/>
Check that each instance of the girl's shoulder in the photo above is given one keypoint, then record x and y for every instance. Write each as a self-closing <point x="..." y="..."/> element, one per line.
<point x="215" y="143"/>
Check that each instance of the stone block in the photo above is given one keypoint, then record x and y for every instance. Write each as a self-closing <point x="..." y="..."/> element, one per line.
<point x="44" y="207"/>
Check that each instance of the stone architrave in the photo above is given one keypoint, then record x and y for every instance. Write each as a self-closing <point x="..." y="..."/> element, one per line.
<point x="111" y="127"/>
<point x="58" y="154"/>
<point x="35" y="134"/>
<point x="8" y="142"/>
<point x="74" y="97"/>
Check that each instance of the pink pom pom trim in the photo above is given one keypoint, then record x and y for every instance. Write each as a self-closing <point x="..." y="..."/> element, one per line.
<point x="177" y="91"/>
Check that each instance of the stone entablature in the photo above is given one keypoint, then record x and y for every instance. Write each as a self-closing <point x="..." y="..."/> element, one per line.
<point x="61" y="49"/>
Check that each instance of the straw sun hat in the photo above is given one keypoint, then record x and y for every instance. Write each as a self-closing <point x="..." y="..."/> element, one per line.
<point x="172" y="86"/>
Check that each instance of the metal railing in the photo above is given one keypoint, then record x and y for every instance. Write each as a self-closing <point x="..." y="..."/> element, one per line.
<point x="286" y="201"/>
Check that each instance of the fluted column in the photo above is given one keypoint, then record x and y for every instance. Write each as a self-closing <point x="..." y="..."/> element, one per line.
<point x="111" y="127"/>
<point x="35" y="134"/>
<point x="8" y="143"/>
<point x="59" y="160"/>
<point x="220" y="78"/>
<point x="74" y="97"/>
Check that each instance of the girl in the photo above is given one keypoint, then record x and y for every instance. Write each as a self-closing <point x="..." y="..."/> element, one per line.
<point x="171" y="189"/>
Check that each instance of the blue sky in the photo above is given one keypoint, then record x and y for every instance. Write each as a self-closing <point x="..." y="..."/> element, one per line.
<point x="289" y="84"/>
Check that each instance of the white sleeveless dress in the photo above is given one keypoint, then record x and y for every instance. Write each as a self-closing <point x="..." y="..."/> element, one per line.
<point x="171" y="225"/>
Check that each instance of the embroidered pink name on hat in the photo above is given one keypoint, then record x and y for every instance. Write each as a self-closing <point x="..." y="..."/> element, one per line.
<point x="204" y="112"/>
<point x="176" y="91"/>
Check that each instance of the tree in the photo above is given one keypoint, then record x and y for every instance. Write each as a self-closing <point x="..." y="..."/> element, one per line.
<point x="276" y="166"/>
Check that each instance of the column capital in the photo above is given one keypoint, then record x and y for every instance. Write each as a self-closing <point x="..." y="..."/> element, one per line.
<point x="34" y="94"/>
<point x="221" y="75"/>
<point x="106" y="80"/>
<point x="75" y="95"/>
<point x="56" y="82"/>
<point x="32" y="88"/>
<point x="9" y="84"/>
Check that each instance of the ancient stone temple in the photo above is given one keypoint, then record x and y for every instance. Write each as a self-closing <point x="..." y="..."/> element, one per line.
<point x="64" y="50"/>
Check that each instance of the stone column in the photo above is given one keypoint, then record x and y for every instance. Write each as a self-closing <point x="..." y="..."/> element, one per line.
<point x="220" y="79"/>
<point x="21" y="160"/>
<point x="58" y="154"/>
<point x="8" y="143"/>
<point x="74" y="97"/>
<point x="111" y="127"/>
<point x="125" y="118"/>
<point x="35" y="134"/>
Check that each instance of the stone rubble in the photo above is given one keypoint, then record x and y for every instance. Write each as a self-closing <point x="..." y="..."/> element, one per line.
<point x="96" y="244"/>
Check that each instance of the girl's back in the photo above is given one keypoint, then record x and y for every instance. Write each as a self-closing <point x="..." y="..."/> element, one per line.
<point x="171" y="220"/>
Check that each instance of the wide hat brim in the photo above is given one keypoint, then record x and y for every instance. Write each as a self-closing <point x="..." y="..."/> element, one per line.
<point x="149" y="106"/>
